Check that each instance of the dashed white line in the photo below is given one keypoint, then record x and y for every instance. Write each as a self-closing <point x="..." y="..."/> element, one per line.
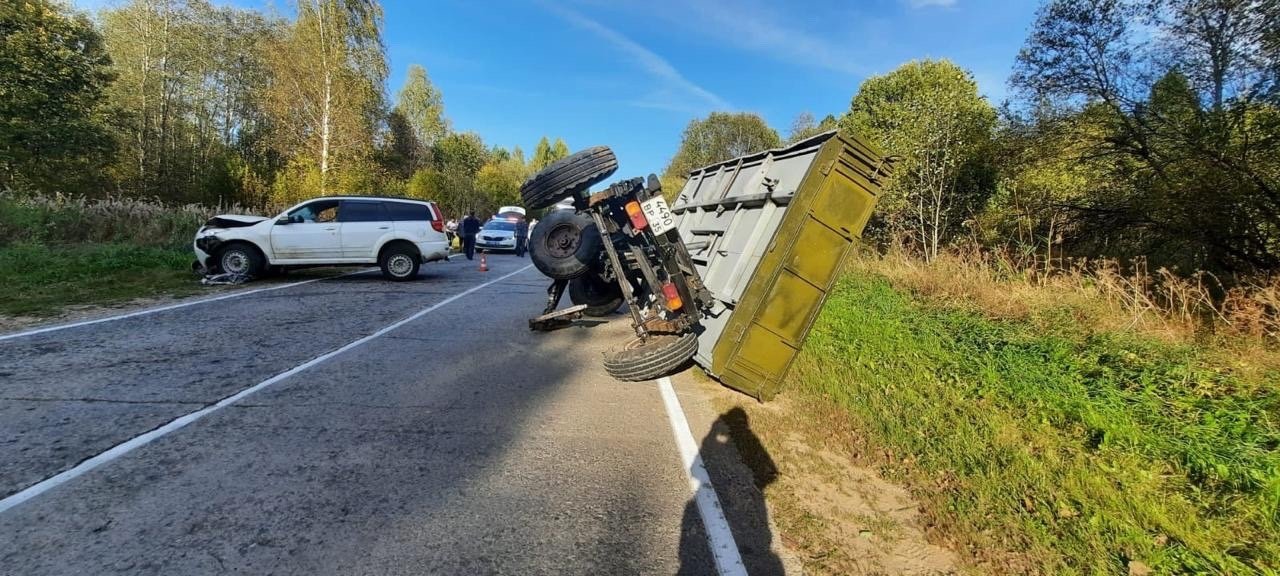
<point x="719" y="536"/>
<point x="184" y="304"/>
<point x="141" y="440"/>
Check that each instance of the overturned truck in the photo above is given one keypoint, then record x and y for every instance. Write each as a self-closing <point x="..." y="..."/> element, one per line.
<point x="731" y="275"/>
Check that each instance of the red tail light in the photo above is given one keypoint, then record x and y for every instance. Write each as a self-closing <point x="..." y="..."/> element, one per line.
<point x="437" y="219"/>
<point x="672" y="295"/>
<point x="637" y="215"/>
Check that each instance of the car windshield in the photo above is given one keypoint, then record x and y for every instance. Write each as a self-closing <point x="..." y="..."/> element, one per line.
<point x="500" y="225"/>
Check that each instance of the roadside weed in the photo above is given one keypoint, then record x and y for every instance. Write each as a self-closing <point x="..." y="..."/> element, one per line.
<point x="1053" y="446"/>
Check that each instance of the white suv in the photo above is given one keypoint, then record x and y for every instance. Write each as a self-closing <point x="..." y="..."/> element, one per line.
<point x="394" y="233"/>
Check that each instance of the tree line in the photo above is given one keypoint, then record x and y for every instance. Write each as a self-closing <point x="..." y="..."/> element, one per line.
<point x="1139" y="130"/>
<point x="189" y="102"/>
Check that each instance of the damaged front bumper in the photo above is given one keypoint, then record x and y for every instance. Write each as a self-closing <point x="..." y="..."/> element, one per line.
<point x="205" y="247"/>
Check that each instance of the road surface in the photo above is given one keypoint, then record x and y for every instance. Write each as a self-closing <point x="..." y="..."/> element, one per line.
<point x="353" y="426"/>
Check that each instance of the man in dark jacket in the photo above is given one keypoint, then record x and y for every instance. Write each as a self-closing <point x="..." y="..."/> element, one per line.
<point x="470" y="227"/>
<point x="522" y="237"/>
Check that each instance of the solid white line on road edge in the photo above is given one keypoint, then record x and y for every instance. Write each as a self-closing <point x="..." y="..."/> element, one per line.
<point x="138" y="441"/>
<point x="184" y="304"/>
<point x="723" y="547"/>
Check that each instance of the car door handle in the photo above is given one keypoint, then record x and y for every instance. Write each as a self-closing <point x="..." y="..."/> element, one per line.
<point x="332" y="228"/>
<point x="384" y="227"/>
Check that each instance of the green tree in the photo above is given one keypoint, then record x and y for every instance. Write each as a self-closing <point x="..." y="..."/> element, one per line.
<point x="458" y="158"/>
<point x="718" y="137"/>
<point x="498" y="181"/>
<point x="930" y="115"/>
<point x="559" y="150"/>
<point x="422" y="106"/>
<point x="326" y="100"/>
<point x="53" y="70"/>
<point x="1199" y="184"/>
<point x="542" y="155"/>
<point x="402" y="153"/>
<point x="804" y="126"/>
<point x="185" y="107"/>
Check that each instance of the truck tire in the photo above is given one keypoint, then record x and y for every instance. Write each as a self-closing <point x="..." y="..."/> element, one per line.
<point x="660" y="355"/>
<point x="602" y="297"/>
<point x="241" y="258"/>
<point x="564" y="244"/>
<point x="564" y="177"/>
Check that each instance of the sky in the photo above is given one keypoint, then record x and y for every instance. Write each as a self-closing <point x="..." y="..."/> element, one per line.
<point x="631" y="74"/>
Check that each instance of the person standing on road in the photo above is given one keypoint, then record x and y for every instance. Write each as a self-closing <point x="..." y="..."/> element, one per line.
<point x="522" y="237"/>
<point x="470" y="227"/>
<point x="451" y="231"/>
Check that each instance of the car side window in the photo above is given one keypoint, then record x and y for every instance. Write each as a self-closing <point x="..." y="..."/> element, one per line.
<point x="322" y="211"/>
<point x="402" y="211"/>
<point x="363" y="211"/>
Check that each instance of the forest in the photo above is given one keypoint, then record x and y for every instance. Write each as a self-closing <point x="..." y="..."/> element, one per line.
<point x="1146" y="132"/>
<point x="1141" y="131"/>
<point x="186" y="101"/>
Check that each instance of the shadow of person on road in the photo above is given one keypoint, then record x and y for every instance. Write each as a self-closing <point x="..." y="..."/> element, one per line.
<point x="740" y="468"/>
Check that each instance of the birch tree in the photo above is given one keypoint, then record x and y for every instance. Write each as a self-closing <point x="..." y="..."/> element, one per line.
<point x="326" y="99"/>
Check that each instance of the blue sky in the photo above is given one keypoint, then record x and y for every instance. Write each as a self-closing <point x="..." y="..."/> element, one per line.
<point x="632" y="73"/>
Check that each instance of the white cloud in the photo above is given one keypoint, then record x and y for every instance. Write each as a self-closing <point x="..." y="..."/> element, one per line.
<point x="918" y="4"/>
<point x="754" y="26"/>
<point x="676" y="87"/>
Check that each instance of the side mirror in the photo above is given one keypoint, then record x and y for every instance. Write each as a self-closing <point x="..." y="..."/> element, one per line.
<point x="283" y="221"/>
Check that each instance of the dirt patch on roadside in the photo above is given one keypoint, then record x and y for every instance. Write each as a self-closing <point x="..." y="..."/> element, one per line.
<point x="838" y="516"/>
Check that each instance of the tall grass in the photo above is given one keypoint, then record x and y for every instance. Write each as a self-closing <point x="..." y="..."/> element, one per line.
<point x="62" y="220"/>
<point x="1100" y="293"/>
<point x="58" y="250"/>
<point x="1083" y="421"/>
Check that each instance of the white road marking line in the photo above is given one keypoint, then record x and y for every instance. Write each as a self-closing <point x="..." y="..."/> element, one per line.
<point x="143" y="439"/>
<point x="719" y="536"/>
<point x="183" y="304"/>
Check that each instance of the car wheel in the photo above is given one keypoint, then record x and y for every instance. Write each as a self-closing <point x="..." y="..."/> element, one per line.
<point x="241" y="258"/>
<point x="564" y="177"/>
<point x="399" y="263"/>
<point x="602" y="297"/>
<point x="648" y="359"/>
<point x="565" y="244"/>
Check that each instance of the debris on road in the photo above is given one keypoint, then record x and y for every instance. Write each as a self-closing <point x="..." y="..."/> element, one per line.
<point x="225" y="278"/>
<point x="557" y="320"/>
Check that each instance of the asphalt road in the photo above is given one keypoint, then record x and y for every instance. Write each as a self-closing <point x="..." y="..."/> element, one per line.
<point x="456" y="442"/>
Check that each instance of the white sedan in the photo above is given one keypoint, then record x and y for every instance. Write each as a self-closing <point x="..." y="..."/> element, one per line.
<point x="497" y="234"/>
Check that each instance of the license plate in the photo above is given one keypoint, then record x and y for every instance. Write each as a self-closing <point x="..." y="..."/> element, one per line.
<point x="658" y="213"/>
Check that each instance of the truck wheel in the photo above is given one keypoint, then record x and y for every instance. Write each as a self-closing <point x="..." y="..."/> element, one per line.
<point x="399" y="263"/>
<point x="564" y="177"/>
<point x="660" y="355"/>
<point x="601" y="297"/>
<point x="564" y="244"/>
<point x="241" y="258"/>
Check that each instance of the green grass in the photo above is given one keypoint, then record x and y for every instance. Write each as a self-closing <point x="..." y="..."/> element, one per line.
<point x="38" y="280"/>
<point x="1045" y="445"/>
